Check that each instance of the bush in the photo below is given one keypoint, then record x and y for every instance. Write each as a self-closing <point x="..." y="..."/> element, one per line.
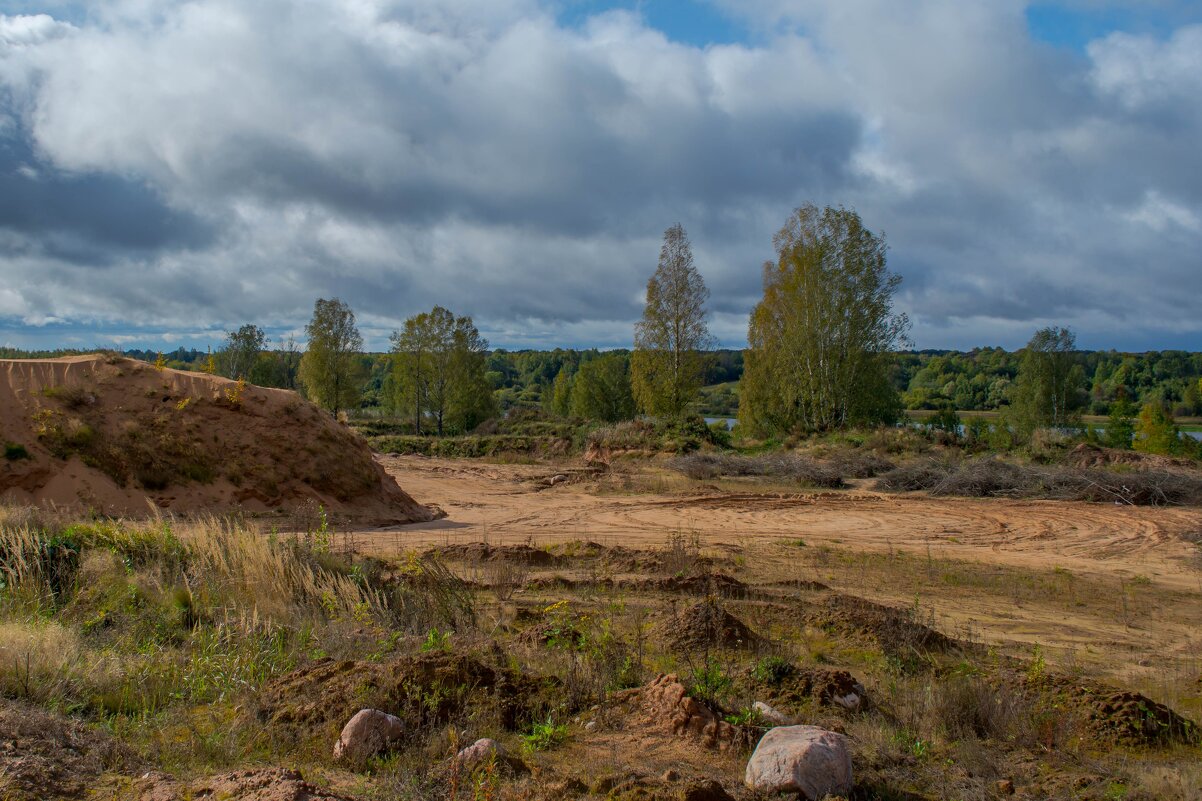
<point x="671" y="436"/>
<point x="786" y="466"/>
<point x="471" y="447"/>
<point x="14" y="452"/>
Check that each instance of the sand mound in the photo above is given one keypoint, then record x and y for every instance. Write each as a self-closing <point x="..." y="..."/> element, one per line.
<point x="707" y="625"/>
<point x="114" y="435"/>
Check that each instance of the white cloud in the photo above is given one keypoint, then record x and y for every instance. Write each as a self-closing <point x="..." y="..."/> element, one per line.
<point x="219" y="161"/>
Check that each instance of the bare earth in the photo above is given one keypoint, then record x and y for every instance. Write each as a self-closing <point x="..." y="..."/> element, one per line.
<point x="1130" y="601"/>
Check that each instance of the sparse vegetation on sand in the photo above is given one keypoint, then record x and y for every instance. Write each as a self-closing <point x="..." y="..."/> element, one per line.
<point x="172" y="657"/>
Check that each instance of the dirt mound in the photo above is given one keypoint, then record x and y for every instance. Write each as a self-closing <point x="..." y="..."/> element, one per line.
<point x="834" y="688"/>
<point x="708" y="625"/>
<point x="111" y="435"/>
<point x="316" y="701"/>
<point x="483" y="552"/>
<point x="699" y="584"/>
<point x="46" y="756"/>
<point x="1119" y="716"/>
<point x="898" y="631"/>
<point x="264" y="784"/>
<point x="665" y="703"/>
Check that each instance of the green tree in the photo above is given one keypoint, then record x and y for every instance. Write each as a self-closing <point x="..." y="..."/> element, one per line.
<point x="1120" y="428"/>
<point x="820" y="339"/>
<point x="1047" y="390"/>
<point x="330" y="369"/>
<point x="239" y="354"/>
<point x="1156" y="431"/>
<point x="440" y="371"/>
<point x="470" y="399"/>
<point x="668" y="365"/>
<point x="561" y="392"/>
<point x="602" y="390"/>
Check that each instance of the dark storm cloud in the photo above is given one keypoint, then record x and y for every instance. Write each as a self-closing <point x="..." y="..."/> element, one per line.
<point x="225" y="161"/>
<point x="94" y="218"/>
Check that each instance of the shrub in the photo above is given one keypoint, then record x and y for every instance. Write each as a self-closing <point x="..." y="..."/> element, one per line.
<point x="545" y="735"/>
<point x="709" y="682"/>
<point x="773" y="670"/>
<point x="786" y="466"/>
<point x="14" y="452"/>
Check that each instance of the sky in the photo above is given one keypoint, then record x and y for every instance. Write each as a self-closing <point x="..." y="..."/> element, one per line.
<point x="173" y="170"/>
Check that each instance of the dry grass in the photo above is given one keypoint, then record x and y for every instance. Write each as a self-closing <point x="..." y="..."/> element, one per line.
<point x="993" y="477"/>
<point x="789" y="467"/>
<point x="38" y="659"/>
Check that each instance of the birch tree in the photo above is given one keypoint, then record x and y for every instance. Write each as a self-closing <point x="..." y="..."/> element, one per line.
<point x="819" y="338"/>
<point x="668" y="364"/>
<point x="330" y="370"/>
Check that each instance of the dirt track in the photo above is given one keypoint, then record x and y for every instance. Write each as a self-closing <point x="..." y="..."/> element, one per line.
<point x="506" y="504"/>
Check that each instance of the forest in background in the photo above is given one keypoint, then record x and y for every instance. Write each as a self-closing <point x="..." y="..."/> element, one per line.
<point x="977" y="380"/>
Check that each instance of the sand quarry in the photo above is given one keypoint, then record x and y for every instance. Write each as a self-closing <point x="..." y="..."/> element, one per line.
<point x="1101" y="592"/>
<point x="1118" y="587"/>
<point x="119" y="437"/>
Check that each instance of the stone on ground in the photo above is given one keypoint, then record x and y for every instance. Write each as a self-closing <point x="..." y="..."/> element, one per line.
<point x="801" y="759"/>
<point x="368" y="733"/>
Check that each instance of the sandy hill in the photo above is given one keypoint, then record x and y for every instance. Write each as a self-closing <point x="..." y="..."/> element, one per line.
<point x="110" y="434"/>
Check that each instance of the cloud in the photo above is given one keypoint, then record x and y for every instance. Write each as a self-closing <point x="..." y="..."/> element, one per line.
<point x="196" y="165"/>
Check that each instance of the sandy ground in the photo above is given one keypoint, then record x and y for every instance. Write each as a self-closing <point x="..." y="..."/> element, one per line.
<point x="505" y="504"/>
<point x="1129" y="601"/>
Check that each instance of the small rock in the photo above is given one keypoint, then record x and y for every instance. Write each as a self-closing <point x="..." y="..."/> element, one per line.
<point x="850" y="702"/>
<point x="772" y="715"/>
<point x="801" y="759"/>
<point x="480" y="752"/>
<point x="365" y="735"/>
<point x="591" y="726"/>
<point x="485" y="750"/>
<point x="1005" y="787"/>
<point x="670" y="776"/>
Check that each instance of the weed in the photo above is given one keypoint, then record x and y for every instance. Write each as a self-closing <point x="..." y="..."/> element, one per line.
<point x="773" y="670"/>
<point x="437" y="641"/>
<point x="709" y="682"/>
<point x="14" y="452"/>
<point x="545" y="735"/>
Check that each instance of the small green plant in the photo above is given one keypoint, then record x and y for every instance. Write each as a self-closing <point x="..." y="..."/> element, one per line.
<point x="748" y="716"/>
<point x="14" y="452"/>
<point x="709" y="682"/>
<point x="1038" y="666"/>
<point x="772" y="670"/>
<point x="545" y="735"/>
<point x="323" y="537"/>
<point x="436" y="641"/>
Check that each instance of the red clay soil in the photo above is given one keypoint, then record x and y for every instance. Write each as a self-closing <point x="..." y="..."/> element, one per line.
<point x="120" y="437"/>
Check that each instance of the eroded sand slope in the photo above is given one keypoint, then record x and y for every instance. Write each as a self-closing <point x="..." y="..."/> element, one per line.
<point x="118" y="436"/>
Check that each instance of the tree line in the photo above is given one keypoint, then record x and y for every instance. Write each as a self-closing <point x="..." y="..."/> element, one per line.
<point x="826" y="351"/>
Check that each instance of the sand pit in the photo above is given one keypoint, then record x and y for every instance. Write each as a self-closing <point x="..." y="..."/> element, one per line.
<point x="119" y="437"/>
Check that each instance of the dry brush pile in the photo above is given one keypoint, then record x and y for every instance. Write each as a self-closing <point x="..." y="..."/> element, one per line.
<point x="993" y="477"/>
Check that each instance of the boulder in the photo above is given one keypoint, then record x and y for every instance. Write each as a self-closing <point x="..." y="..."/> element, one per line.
<point x="770" y="714"/>
<point x="801" y="759"/>
<point x="368" y="733"/>
<point x="483" y="751"/>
